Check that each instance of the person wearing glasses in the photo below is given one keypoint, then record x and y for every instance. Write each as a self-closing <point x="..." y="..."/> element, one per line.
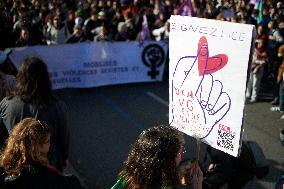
<point x="153" y="161"/>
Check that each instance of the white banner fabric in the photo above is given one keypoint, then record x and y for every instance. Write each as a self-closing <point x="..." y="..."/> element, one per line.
<point x="207" y="79"/>
<point x="83" y="65"/>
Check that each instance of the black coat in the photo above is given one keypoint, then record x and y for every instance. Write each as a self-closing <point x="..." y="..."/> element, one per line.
<point x="39" y="177"/>
<point x="235" y="171"/>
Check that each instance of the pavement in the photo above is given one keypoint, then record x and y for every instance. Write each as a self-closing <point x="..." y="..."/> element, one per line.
<point x="105" y="121"/>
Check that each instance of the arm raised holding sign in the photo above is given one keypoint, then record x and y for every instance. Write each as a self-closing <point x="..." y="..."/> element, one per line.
<point x="198" y="100"/>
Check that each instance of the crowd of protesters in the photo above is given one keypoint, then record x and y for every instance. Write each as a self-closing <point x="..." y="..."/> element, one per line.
<point x="40" y="22"/>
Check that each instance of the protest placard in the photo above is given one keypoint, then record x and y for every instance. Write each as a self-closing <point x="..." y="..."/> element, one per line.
<point x="207" y="79"/>
<point x="83" y="65"/>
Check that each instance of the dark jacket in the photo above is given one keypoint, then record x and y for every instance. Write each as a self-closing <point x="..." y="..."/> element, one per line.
<point x="38" y="177"/>
<point x="13" y="110"/>
<point x="76" y="39"/>
<point x="235" y="171"/>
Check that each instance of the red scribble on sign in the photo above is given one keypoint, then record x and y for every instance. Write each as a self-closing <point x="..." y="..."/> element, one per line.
<point x="207" y="64"/>
<point x="187" y="118"/>
<point x="211" y="109"/>
<point x="183" y="92"/>
<point x="224" y="128"/>
<point x="185" y="99"/>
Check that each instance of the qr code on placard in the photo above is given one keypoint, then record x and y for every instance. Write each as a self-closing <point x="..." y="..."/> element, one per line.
<point x="225" y="138"/>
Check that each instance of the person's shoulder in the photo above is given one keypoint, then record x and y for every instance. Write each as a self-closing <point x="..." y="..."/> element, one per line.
<point x="33" y="177"/>
<point x="47" y="173"/>
<point x="11" y="100"/>
<point x="61" y="181"/>
<point x="40" y="174"/>
<point x="26" y="179"/>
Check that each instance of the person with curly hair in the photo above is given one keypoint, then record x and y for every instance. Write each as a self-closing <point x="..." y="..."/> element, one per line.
<point x="24" y="163"/>
<point x="33" y="97"/>
<point x="153" y="161"/>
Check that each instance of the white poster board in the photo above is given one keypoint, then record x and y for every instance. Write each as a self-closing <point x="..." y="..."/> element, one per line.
<point x="83" y="65"/>
<point x="207" y="79"/>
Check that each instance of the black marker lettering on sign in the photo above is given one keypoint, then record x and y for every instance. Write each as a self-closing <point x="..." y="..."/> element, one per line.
<point x="209" y="31"/>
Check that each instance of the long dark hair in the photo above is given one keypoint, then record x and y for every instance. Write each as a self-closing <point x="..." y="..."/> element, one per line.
<point x="33" y="84"/>
<point x="151" y="161"/>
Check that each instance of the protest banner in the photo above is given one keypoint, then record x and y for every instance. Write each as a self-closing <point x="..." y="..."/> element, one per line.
<point x="83" y="65"/>
<point x="207" y="79"/>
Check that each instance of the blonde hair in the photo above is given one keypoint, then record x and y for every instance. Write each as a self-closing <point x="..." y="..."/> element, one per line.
<point x="22" y="146"/>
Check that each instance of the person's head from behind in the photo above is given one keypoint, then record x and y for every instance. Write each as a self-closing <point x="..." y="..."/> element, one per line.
<point x="27" y="145"/>
<point x="33" y="83"/>
<point x="154" y="157"/>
